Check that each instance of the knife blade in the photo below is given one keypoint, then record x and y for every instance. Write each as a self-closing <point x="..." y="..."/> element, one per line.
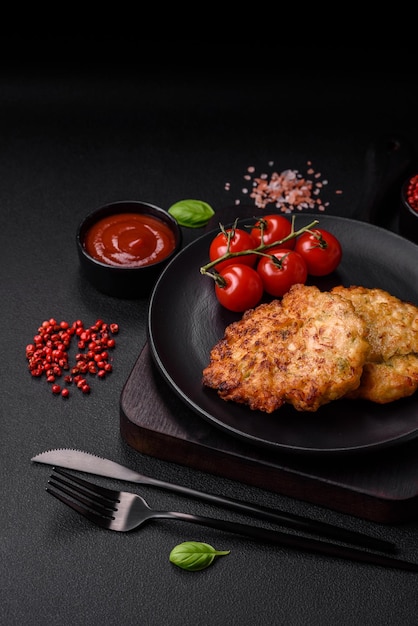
<point x="92" y="464"/>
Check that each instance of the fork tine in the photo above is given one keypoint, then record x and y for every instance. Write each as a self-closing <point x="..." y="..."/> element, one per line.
<point x="92" y="517"/>
<point x="90" y="488"/>
<point x="88" y="498"/>
<point x="95" y="503"/>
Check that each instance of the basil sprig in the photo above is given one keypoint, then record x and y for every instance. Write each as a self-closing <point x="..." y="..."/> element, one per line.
<point x="194" y="555"/>
<point x="191" y="213"/>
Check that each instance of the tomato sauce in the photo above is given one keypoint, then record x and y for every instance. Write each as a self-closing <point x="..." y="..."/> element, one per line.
<point x="129" y="240"/>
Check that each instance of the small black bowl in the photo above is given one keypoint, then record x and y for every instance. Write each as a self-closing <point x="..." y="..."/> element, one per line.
<point x="408" y="216"/>
<point x="118" y="280"/>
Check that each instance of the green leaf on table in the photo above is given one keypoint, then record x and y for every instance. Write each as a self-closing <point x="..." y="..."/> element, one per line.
<point x="191" y="213"/>
<point x="194" y="555"/>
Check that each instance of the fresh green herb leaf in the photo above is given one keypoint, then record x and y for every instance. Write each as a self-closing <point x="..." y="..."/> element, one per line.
<point x="191" y="213"/>
<point x="194" y="555"/>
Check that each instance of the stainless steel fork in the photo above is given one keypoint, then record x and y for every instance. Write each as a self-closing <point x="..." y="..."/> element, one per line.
<point x="123" y="511"/>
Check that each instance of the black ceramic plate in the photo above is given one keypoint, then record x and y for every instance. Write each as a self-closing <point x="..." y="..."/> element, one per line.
<point x="185" y="321"/>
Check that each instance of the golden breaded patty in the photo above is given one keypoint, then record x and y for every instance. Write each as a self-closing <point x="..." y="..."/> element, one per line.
<point x="388" y="381"/>
<point x="305" y="350"/>
<point x="392" y="325"/>
<point x="391" y="369"/>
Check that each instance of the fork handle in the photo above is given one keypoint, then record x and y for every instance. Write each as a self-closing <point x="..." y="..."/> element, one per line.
<point x="298" y="542"/>
<point x="291" y="520"/>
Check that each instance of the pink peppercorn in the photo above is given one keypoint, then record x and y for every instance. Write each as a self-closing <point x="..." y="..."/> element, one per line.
<point x="48" y="353"/>
<point x="412" y="192"/>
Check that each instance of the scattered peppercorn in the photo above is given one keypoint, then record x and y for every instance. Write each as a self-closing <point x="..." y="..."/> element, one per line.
<point x="48" y="354"/>
<point x="412" y="192"/>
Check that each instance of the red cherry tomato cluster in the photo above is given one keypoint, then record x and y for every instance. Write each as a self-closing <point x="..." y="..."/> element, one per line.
<point x="242" y="278"/>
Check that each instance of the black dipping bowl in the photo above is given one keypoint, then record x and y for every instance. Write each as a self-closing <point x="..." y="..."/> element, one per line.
<point x="408" y="217"/>
<point x="120" y="281"/>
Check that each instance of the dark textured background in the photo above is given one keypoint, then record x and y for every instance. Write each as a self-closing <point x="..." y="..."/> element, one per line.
<point x="75" y="134"/>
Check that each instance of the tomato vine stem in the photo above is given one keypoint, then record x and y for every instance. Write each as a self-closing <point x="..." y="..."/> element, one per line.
<point x="260" y="250"/>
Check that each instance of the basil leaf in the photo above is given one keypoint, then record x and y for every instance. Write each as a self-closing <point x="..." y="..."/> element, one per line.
<point x="194" y="555"/>
<point x="191" y="213"/>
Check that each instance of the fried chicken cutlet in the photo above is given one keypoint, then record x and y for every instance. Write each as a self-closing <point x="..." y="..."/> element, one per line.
<point x="391" y="368"/>
<point x="305" y="350"/>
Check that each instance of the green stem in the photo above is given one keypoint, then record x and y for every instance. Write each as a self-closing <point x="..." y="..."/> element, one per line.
<point x="260" y="250"/>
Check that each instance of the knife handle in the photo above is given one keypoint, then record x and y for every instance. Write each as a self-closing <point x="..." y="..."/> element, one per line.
<point x="289" y="520"/>
<point x="298" y="542"/>
<point x="84" y="461"/>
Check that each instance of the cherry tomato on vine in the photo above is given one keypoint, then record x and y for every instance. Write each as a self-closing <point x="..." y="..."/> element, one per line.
<point x="240" y="240"/>
<point x="321" y="251"/>
<point x="278" y="277"/>
<point x="274" y="228"/>
<point x="243" y="288"/>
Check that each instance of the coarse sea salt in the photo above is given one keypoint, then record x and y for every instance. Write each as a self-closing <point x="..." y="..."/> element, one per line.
<point x="288" y="190"/>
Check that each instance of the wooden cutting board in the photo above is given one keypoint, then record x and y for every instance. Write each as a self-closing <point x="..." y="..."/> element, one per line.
<point x="380" y="486"/>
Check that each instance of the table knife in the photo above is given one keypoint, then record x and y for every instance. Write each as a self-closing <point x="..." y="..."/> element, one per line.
<point x="90" y="463"/>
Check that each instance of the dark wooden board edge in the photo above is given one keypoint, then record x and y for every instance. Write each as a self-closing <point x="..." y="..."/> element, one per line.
<point x="380" y="486"/>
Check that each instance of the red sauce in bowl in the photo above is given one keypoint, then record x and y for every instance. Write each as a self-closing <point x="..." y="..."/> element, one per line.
<point x="129" y="240"/>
